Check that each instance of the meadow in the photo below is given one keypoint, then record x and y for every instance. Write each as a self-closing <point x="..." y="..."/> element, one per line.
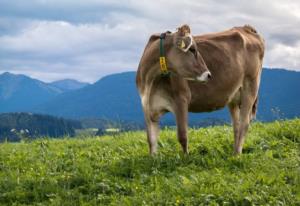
<point x="117" y="170"/>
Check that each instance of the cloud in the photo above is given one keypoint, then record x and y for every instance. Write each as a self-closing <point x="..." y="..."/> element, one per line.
<point x="86" y="40"/>
<point x="76" y="48"/>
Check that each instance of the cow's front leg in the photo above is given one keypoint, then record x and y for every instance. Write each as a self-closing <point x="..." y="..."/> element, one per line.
<point x="152" y="134"/>
<point x="181" y="113"/>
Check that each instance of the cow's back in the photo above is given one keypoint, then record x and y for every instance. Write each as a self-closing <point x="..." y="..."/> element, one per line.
<point x="231" y="56"/>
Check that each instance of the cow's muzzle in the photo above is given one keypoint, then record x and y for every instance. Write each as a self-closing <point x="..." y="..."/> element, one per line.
<point x="204" y="77"/>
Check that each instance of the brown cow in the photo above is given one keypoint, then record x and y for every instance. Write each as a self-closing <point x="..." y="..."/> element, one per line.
<point x="179" y="73"/>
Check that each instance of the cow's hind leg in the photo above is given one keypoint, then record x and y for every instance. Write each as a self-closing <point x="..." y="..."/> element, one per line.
<point x="235" y="118"/>
<point x="248" y="98"/>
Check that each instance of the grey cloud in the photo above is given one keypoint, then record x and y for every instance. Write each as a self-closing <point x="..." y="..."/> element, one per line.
<point x="88" y="39"/>
<point x="64" y="10"/>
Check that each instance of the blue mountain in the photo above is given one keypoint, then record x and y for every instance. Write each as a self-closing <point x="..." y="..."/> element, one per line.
<point x="112" y="97"/>
<point x="115" y="97"/>
<point x="279" y="95"/>
<point x="22" y="93"/>
<point x="68" y="84"/>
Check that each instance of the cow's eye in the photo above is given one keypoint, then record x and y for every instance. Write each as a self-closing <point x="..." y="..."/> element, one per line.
<point x="193" y="50"/>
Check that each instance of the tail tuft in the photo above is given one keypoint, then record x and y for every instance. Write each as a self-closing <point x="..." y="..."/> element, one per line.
<point x="254" y="109"/>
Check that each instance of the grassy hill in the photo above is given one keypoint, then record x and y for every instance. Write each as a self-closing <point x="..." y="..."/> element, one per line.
<point x="118" y="170"/>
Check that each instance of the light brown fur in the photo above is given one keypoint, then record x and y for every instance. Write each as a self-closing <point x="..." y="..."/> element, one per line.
<point x="234" y="59"/>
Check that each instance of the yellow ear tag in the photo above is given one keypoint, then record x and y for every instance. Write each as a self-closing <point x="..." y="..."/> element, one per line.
<point x="182" y="44"/>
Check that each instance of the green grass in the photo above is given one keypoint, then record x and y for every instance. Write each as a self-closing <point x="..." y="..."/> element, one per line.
<point x="118" y="170"/>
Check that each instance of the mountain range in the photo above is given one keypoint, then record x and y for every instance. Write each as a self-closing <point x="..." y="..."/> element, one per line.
<point x="115" y="97"/>
<point x="20" y="93"/>
<point x="68" y="84"/>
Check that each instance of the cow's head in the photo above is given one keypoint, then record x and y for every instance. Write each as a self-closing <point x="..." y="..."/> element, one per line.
<point x="184" y="57"/>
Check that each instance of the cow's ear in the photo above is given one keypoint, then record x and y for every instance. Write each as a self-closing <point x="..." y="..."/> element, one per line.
<point x="184" y="43"/>
<point x="184" y="30"/>
<point x="153" y="37"/>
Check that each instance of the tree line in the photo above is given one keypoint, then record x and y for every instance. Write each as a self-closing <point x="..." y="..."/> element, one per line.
<point x="15" y="126"/>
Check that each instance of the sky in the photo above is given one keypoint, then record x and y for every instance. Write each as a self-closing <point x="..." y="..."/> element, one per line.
<point x="88" y="39"/>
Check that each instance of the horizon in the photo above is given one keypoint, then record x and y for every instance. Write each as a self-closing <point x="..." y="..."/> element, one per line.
<point x="128" y="71"/>
<point x="52" y="40"/>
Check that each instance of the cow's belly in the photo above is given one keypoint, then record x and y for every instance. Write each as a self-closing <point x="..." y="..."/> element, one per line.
<point x="206" y="98"/>
<point x="202" y="105"/>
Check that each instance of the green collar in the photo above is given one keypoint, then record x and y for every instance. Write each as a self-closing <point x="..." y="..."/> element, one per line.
<point x="162" y="57"/>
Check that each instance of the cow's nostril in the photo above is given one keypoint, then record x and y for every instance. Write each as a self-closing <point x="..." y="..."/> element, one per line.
<point x="208" y="75"/>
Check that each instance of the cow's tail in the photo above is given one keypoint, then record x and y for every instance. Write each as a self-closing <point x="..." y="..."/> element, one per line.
<point x="254" y="108"/>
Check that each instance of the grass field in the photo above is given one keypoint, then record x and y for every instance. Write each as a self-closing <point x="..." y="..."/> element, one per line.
<point x="118" y="170"/>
